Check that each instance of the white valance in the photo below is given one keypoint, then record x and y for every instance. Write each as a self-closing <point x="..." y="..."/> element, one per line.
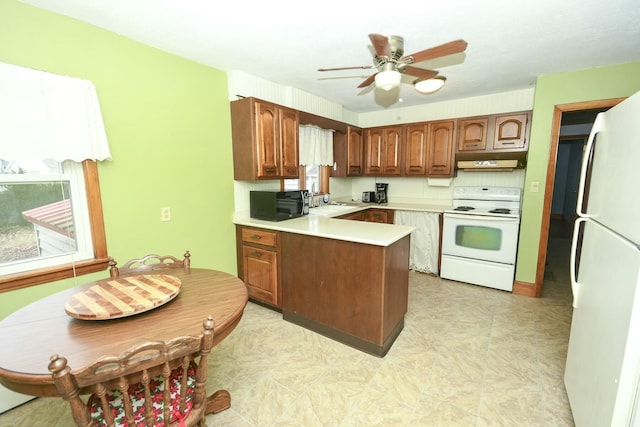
<point x="49" y="116"/>
<point x="316" y="146"/>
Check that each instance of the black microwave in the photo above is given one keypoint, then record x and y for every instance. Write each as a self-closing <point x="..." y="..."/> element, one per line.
<point x="278" y="205"/>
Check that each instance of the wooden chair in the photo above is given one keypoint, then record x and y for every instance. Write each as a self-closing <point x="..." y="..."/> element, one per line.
<point x="149" y="263"/>
<point x="130" y="389"/>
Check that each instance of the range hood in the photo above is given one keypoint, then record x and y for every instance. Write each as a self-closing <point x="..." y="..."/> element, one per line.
<point x="497" y="165"/>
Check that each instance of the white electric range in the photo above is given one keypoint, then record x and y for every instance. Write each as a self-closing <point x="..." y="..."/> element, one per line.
<point x="480" y="236"/>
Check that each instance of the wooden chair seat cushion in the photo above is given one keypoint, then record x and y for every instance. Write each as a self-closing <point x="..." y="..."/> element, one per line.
<point x="136" y="393"/>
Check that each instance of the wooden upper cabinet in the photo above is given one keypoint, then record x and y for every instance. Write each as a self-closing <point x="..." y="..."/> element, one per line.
<point x="267" y="143"/>
<point x="495" y="137"/>
<point x="382" y="150"/>
<point x="441" y="149"/>
<point x="265" y="140"/>
<point x="393" y="137"/>
<point x="289" y="142"/>
<point x="510" y="132"/>
<point x="354" y="151"/>
<point x="415" y="150"/>
<point x="373" y="151"/>
<point x="472" y="134"/>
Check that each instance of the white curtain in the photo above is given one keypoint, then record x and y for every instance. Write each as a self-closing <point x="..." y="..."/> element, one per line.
<point x="425" y="239"/>
<point x="316" y="146"/>
<point x="49" y="116"/>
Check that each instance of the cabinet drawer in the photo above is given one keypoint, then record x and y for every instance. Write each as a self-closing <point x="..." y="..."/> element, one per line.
<point x="383" y="216"/>
<point x="260" y="237"/>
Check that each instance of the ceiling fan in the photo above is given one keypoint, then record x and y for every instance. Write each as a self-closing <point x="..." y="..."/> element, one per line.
<point x="391" y="64"/>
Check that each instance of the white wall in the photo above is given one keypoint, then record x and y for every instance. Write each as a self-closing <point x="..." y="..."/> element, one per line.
<point x="429" y="191"/>
<point x="507" y="102"/>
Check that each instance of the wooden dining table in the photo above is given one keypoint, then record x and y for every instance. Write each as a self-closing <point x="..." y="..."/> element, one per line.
<point x="31" y="335"/>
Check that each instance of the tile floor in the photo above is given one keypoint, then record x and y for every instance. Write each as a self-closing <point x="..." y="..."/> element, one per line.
<point x="468" y="356"/>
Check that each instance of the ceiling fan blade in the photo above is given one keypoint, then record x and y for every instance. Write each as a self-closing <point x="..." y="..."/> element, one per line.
<point x="368" y="81"/>
<point x="360" y="67"/>
<point x="420" y="73"/>
<point x="450" y="48"/>
<point x="381" y="45"/>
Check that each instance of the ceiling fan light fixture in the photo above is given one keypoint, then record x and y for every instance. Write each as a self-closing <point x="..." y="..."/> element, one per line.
<point x="387" y="80"/>
<point x="429" y="85"/>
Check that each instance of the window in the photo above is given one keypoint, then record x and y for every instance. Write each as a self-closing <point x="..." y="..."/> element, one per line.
<point x="51" y="222"/>
<point x="312" y="177"/>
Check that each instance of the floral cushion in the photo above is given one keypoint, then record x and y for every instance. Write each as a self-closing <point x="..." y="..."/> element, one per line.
<point x="136" y="391"/>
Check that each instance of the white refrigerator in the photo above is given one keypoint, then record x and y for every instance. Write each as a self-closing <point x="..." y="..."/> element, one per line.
<point x="602" y="373"/>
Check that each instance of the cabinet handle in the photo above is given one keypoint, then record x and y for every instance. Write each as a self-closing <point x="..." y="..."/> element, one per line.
<point x="256" y="237"/>
<point x="256" y="254"/>
<point x="270" y="170"/>
<point x="507" y="142"/>
<point x="471" y="145"/>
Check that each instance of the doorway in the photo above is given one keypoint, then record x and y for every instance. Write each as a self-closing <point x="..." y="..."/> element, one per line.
<point x="557" y="223"/>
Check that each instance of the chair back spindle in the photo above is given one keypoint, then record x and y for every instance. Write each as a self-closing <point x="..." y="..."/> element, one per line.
<point x="148" y="263"/>
<point x="124" y="388"/>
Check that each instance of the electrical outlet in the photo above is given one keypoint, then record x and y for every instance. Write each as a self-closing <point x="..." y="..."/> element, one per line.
<point x="165" y="214"/>
<point x="535" y="186"/>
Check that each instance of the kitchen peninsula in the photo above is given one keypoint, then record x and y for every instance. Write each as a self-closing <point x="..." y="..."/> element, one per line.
<point x="347" y="280"/>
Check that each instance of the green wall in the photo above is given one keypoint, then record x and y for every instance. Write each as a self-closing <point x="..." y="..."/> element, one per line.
<point x="587" y="85"/>
<point x="168" y="124"/>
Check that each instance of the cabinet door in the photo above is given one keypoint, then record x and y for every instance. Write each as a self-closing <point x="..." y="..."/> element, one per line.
<point x="472" y="134"/>
<point x="288" y="126"/>
<point x="510" y="132"/>
<point x="356" y="216"/>
<point x="383" y="216"/>
<point x="373" y="150"/>
<point x="392" y="143"/>
<point x="267" y="140"/>
<point x="415" y="150"/>
<point x="440" y="154"/>
<point x="261" y="273"/>
<point x="354" y="151"/>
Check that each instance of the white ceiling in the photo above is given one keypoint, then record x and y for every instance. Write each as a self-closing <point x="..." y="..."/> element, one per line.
<point x="286" y="41"/>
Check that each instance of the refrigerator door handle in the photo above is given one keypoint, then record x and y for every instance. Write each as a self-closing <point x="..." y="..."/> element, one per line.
<point x="597" y="127"/>
<point x="575" y="286"/>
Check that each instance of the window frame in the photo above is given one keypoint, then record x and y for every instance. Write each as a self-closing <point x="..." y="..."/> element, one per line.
<point x="100" y="258"/>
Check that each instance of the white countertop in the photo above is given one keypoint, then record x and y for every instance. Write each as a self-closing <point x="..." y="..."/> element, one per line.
<point x="320" y="223"/>
<point x="407" y="206"/>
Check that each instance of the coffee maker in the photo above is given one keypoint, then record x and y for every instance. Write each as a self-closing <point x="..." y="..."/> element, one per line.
<point x="381" y="192"/>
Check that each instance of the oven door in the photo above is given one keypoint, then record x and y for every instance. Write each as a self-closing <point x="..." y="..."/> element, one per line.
<point x="488" y="238"/>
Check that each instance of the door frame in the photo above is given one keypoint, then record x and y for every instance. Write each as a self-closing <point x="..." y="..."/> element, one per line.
<point x="551" y="172"/>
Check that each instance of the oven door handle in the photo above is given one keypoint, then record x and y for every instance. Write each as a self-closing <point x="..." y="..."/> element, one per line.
<point x="481" y="217"/>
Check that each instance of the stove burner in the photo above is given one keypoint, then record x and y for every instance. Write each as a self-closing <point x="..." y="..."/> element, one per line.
<point x="500" y="211"/>
<point x="464" y="208"/>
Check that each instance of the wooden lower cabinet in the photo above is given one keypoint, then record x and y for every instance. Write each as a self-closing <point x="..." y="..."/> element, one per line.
<point x="351" y="292"/>
<point x="383" y="216"/>
<point x="258" y="264"/>
<point x="355" y="216"/>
